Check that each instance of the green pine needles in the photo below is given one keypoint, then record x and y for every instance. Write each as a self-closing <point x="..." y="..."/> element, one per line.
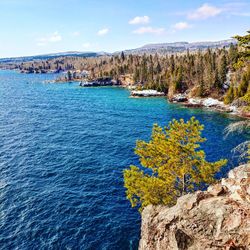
<point x="172" y="165"/>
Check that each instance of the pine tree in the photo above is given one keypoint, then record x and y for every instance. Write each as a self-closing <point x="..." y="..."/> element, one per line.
<point x="136" y="76"/>
<point x="172" y="64"/>
<point x="233" y="54"/>
<point x="244" y="44"/>
<point x="229" y="97"/>
<point x="144" y="70"/>
<point x="243" y="85"/>
<point x="217" y="83"/>
<point x="69" y="74"/>
<point x="172" y="165"/>
<point x="122" y="56"/>
<point x="179" y="78"/>
<point x="202" y="88"/>
<point x="223" y="69"/>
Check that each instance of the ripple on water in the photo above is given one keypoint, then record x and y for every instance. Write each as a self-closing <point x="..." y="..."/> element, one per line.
<point x="62" y="153"/>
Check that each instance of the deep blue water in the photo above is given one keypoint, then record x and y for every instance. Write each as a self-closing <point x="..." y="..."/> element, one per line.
<point x="62" y="152"/>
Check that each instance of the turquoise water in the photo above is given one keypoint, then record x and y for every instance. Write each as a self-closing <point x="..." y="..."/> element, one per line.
<point x="62" y="152"/>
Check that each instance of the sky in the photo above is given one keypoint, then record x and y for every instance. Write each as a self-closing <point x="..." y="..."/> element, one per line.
<point x="33" y="27"/>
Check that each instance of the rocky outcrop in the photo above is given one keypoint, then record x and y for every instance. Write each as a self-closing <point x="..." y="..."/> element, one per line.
<point x="146" y="93"/>
<point x="209" y="103"/>
<point x="218" y="218"/>
<point x="179" y="98"/>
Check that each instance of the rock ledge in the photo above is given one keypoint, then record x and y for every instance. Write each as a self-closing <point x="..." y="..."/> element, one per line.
<point x="218" y="218"/>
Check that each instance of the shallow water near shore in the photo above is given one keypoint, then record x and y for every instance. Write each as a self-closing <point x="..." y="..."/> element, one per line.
<point x="62" y="152"/>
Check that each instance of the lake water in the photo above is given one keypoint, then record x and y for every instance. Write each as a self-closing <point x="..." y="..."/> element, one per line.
<point x="62" y="152"/>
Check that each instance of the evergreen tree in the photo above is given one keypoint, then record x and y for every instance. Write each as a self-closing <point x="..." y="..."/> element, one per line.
<point x="122" y="56"/>
<point x="217" y="83"/>
<point x="223" y="69"/>
<point x="173" y="165"/>
<point x="233" y="54"/>
<point x="202" y="88"/>
<point x="244" y="43"/>
<point x="245" y="82"/>
<point x="229" y="95"/>
<point x="172" y="64"/>
<point x="69" y="74"/>
<point x="179" y="78"/>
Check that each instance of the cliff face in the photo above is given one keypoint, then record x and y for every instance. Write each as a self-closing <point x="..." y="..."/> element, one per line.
<point x="218" y="218"/>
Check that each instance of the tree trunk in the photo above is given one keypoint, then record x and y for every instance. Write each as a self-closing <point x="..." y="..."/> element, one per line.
<point x="183" y="184"/>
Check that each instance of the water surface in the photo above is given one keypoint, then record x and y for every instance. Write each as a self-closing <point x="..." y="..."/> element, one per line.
<point x="62" y="152"/>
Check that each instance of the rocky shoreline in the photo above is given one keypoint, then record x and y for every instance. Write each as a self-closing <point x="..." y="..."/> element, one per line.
<point x="218" y="218"/>
<point x="203" y="102"/>
<point x="183" y="99"/>
<point x="236" y="108"/>
<point x="211" y="104"/>
<point x="146" y="93"/>
<point x="216" y="105"/>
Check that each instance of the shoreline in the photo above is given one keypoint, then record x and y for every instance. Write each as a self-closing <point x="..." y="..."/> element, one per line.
<point x="214" y="105"/>
<point x="183" y="100"/>
<point x="201" y="103"/>
<point x="221" y="109"/>
<point x="215" y="109"/>
<point x="226" y="109"/>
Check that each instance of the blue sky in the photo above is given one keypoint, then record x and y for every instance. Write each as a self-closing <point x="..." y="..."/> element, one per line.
<point x="30" y="27"/>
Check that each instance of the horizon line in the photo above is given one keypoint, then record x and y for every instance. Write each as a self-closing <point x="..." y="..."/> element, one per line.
<point x="109" y="52"/>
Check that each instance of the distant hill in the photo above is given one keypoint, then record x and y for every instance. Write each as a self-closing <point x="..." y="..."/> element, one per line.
<point x="161" y="48"/>
<point x="50" y="56"/>
<point x="175" y="47"/>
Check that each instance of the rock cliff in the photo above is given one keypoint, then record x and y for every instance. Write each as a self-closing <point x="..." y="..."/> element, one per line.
<point x="218" y="218"/>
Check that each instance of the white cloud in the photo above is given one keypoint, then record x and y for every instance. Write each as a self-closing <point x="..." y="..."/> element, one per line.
<point x="103" y="32"/>
<point x="140" y="20"/>
<point x="86" y="45"/>
<point x="53" y="38"/>
<point x="76" y="33"/>
<point x="181" y="26"/>
<point x="149" y="30"/>
<point x="204" y="12"/>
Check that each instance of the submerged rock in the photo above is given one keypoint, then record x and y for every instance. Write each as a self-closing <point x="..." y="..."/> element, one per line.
<point x="218" y="218"/>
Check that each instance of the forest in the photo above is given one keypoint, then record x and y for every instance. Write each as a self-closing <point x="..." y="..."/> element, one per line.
<point x="219" y="73"/>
